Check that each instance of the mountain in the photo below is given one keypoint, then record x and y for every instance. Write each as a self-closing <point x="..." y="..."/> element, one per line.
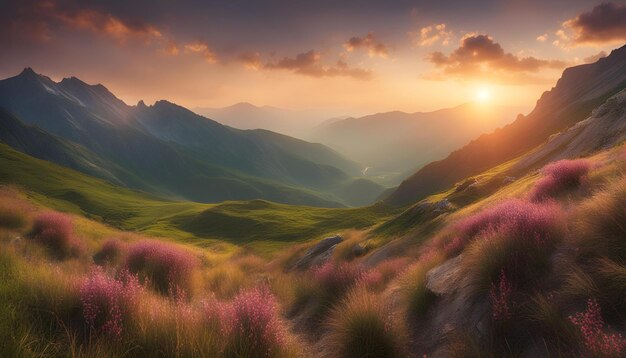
<point x="579" y="90"/>
<point x="248" y="116"/>
<point x="394" y="142"/>
<point x="166" y="149"/>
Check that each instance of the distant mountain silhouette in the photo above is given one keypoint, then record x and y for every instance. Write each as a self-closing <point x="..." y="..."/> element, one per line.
<point x="400" y="142"/>
<point x="244" y="115"/>
<point x="580" y="90"/>
<point x="164" y="148"/>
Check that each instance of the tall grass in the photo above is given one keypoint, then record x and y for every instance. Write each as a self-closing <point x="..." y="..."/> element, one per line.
<point x="601" y="224"/>
<point x="363" y="326"/>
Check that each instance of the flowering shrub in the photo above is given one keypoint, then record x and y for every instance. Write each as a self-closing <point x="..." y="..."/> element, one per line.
<point x="56" y="231"/>
<point x="107" y="301"/>
<point x="539" y="222"/>
<point x="254" y="328"/>
<point x="378" y="277"/>
<point x="500" y="298"/>
<point x="110" y="252"/>
<point x="168" y="268"/>
<point x="336" y="279"/>
<point x="596" y="340"/>
<point x="559" y="176"/>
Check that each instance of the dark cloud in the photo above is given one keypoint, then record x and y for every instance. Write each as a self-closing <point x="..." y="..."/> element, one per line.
<point x="605" y="23"/>
<point x="369" y="43"/>
<point x="307" y="64"/>
<point x="480" y="55"/>
<point x="46" y="20"/>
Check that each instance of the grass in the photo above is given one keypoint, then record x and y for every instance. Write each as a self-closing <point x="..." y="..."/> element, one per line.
<point x="363" y="326"/>
<point x="262" y="225"/>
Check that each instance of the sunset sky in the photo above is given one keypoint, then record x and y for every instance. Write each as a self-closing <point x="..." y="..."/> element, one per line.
<point x="342" y="57"/>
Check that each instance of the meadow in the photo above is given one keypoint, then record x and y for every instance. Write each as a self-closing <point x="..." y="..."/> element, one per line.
<point x="537" y="265"/>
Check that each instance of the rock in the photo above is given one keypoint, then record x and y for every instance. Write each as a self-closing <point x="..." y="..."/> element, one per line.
<point x="442" y="205"/>
<point x="466" y="184"/>
<point x="508" y="179"/>
<point x="318" y="254"/>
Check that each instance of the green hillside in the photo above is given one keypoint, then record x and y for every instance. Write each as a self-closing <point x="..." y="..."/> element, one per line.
<point x="260" y="224"/>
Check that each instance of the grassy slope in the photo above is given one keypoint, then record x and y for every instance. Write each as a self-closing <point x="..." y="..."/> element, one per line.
<point x="261" y="224"/>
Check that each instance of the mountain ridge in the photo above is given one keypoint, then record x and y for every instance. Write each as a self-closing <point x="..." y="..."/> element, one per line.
<point x="579" y="90"/>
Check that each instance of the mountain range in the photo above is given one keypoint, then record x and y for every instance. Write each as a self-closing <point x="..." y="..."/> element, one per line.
<point x="164" y="148"/>
<point x="399" y="142"/>
<point x="243" y="115"/>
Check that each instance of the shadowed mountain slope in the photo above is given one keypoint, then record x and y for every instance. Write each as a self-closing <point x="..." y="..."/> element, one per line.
<point x="174" y="151"/>
<point x="576" y="94"/>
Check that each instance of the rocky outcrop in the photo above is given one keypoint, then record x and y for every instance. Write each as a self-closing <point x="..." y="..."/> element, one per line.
<point x="318" y="254"/>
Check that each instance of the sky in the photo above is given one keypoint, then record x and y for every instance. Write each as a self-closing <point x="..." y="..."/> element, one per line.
<point x="351" y="57"/>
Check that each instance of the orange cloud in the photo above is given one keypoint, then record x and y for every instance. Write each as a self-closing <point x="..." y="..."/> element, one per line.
<point x="307" y="64"/>
<point x="201" y="49"/>
<point x="480" y="56"/>
<point x="369" y="42"/>
<point x="432" y="34"/>
<point x="251" y="60"/>
<point x="604" y="24"/>
<point x="106" y="24"/>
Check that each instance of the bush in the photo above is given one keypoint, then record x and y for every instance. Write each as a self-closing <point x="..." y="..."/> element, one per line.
<point x="541" y="223"/>
<point x="337" y="279"/>
<point x="168" y="268"/>
<point x="56" y="231"/>
<point x="107" y="302"/>
<point x="595" y="338"/>
<point x="514" y="237"/>
<point x="558" y="177"/>
<point x="110" y="252"/>
<point x="363" y="327"/>
<point x="254" y="329"/>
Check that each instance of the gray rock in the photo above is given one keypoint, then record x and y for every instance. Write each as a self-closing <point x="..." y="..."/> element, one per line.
<point x="318" y="254"/>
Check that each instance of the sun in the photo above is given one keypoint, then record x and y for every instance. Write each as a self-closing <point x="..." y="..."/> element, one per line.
<point x="483" y="95"/>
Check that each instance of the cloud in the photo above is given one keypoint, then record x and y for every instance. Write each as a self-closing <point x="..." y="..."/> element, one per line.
<point x="201" y="49"/>
<point x="604" y="24"/>
<point x="251" y="60"/>
<point x="431" y="35"/>
<point x="307" y="64"/>
<point x="542" y="38"/>
<point x="46" y="20"/>
<point x="369" y="42"/>
<point x="479" y="56"/>
<point x="108" y="25"/>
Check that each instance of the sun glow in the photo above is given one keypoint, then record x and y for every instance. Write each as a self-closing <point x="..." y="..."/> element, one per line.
<point x="483" y="95"/>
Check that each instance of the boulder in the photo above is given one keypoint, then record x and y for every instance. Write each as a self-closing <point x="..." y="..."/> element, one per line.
<point x="318" y="254"/>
